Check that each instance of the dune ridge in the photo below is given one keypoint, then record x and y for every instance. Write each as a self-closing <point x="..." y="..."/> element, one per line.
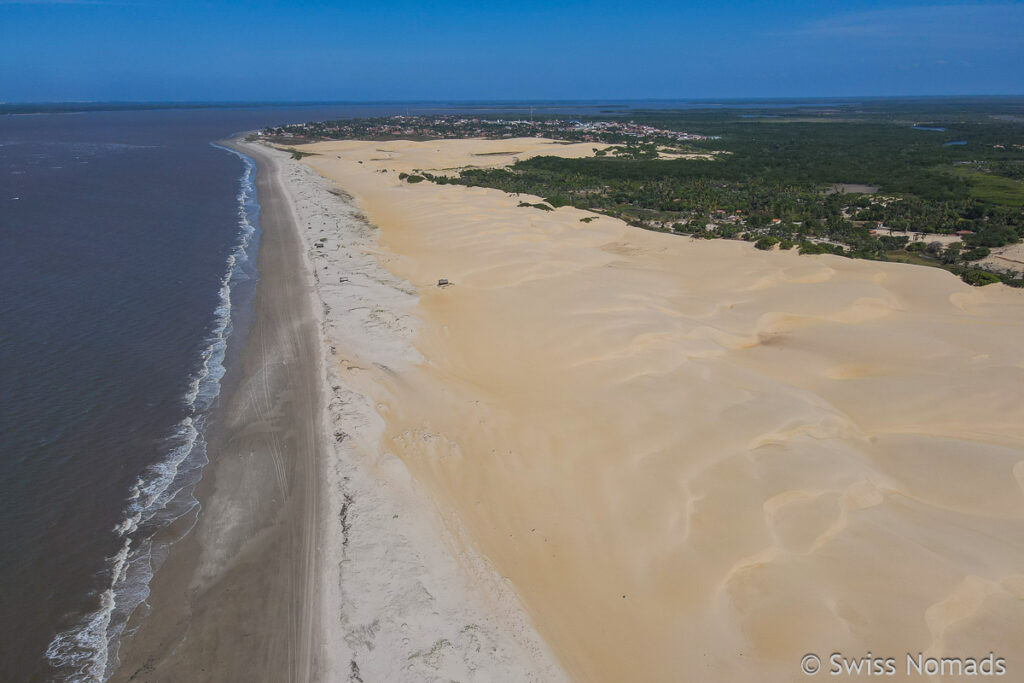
<point x="695" y="459"/>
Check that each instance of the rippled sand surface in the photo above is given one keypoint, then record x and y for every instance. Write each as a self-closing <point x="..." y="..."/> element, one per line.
<point x="694" y="460"/>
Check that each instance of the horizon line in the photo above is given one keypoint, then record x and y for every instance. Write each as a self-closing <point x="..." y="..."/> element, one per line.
<point x="769" y="98"/>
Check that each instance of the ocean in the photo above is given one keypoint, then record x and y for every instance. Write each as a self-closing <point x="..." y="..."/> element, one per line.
<point x="127" y="253"/>
<point x="128" y="244"/>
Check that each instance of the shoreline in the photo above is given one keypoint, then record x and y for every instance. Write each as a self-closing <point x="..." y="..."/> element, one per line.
<point x="404" y="597"/>
<point x="163" y="507"/>
<point x="232" y="599"/>
<point x="316" y="555"/>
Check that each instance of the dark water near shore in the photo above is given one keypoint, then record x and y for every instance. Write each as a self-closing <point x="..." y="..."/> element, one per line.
<point x="126" y="244"/>
<point x="127" y="255"/>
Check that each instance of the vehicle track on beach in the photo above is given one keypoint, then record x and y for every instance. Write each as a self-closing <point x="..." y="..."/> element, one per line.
<point x="237" y="599"/>
<point x="299" y="356"/>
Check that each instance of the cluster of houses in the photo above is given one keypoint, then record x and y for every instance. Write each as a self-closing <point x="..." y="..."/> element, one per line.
<point x="448" y="126"/>
<point x="591" y="130"/>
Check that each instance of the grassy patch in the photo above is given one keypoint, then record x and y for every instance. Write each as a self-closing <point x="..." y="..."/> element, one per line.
<point x="899" y="256"/>
<point x="993" y="189"/>
<point x="298" y="154"/>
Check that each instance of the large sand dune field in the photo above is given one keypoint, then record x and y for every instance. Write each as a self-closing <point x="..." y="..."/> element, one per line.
<point x="693" y="460"/>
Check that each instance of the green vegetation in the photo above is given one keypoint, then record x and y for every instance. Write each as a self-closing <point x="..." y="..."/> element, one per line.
<point x="987" y="185"/>
<point x="975" y="254"/>
<point x="411" y="178"/>
<point x="774" y="183"/>
<point x="778" y="174"/>
<point x="978" y="278"/>
<point x="297" y="154"/>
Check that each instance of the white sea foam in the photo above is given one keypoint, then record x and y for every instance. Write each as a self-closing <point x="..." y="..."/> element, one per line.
<point x="81" y="647"/>
<point x="87" y="652"/>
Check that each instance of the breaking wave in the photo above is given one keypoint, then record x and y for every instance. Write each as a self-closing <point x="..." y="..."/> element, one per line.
<point x="163" y="494"/>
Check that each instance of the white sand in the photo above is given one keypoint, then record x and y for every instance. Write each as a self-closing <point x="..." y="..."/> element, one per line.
<point x="447" y="157"/>
<point x="1007" y="258"/>
<point x="692" y="460"/>
<point x="401" y="601"/>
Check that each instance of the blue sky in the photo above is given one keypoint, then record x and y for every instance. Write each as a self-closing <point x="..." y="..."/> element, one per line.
<point x="400" y="50"/>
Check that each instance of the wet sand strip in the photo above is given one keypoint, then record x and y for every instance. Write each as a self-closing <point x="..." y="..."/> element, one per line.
<point x="234" y="600"/>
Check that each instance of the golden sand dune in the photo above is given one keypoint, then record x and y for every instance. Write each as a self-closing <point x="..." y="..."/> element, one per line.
<point x="445" y="156"/>
<point x="694" y="460"/>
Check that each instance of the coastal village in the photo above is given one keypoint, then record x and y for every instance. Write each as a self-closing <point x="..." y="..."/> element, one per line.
<point x="450" y="127"/>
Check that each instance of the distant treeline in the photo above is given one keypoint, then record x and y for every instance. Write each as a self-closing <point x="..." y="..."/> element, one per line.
<point x="941" y="166"/>
<point x="774" y="178"/>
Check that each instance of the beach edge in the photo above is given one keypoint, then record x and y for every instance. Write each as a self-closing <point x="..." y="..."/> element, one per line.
<point x="235" y="597"/>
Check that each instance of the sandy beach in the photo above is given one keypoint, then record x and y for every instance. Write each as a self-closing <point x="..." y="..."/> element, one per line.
<point x="688" y="459"/>
<point x="316" y="556"/>
<point x="600" y="454"/>
<point x="235" y="598"/>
